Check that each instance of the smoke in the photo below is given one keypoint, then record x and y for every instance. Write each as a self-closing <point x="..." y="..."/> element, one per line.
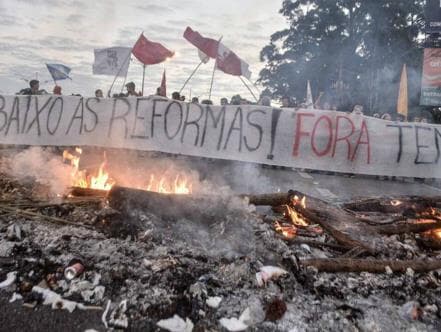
<point x="43" y="166"/>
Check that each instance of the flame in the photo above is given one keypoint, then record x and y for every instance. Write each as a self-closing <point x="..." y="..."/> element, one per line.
<point x="395" y="202"/>
<point x="101" y="179"/>
<point x="79" y="178"/>
<point x="288" y="232"/>
<point x="437" y="233"/>
<point x="180" y="185"/>
<point x="292" y="215"/>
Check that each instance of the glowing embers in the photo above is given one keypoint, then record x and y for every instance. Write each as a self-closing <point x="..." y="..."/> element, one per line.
<point x="83" y="179"/>
<point x="292" y="218"/>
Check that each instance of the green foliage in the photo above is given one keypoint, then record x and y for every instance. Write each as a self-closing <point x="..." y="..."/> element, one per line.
<point x="351" y="49"/>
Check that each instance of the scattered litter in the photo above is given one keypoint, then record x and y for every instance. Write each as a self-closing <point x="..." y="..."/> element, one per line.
<point x="10" y="278"/>
<point x="306" y="248"/>
<point x="73" y="271"/>
<point x="118" y="317"/>
<point x="15" y="297"/>
<point x="94" y="295"/>
<point x="56" y="301"/>
<point x="13" y="232"/>
<point x="269" y="273"/>
<point x="411" y="311"/>
<point x="176" y="324"/>
<point x="233" y="324"/>
<point x="214" y="301"/>
<point x="388" y="270"/>
<point x="104" y="316"/>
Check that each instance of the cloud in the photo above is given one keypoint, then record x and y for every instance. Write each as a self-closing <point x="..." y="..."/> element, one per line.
<point x="34" y="32"/>
<point x="155" y="9"/>
<point x="75" y="18"/>
<point x="8" y="20"/>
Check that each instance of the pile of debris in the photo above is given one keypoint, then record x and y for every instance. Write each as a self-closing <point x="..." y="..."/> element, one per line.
<point x="139" y="260"/>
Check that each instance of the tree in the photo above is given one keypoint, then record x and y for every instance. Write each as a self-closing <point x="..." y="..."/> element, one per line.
<point x="351" y="49"/>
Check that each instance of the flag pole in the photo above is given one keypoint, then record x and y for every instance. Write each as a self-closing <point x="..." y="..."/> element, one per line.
<point x="191" y="75"/>
<point x="143" y="77"/>
<point x="254" y="85"/>
<point x="119" y="70"/>
<point x="244" y="83"/>
<point x="214" y="69"/>
<point x="212" y="79"/>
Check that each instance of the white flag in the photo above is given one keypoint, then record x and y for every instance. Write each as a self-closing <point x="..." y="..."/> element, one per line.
<point x="112" y="61"/>
<point x="204" y="58"/>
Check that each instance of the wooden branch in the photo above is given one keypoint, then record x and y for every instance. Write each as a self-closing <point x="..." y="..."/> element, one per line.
<point x="368" y="265"/>
<point x="343" y="226"/>
<point x="87" y="192"/>
<point x="34" y="215"/>
<point x="275" y="199"/>
<point x="167" y="206"/>
<point x="409" y="227"/>
<point x="402" y="204"/>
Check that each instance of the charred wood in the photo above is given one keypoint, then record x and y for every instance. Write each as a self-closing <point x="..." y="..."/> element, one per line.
<point x="87" y="192"/>
<point x="409" y="227"/>
<point x="167" y="206"/>
<point x="407" y="205"/>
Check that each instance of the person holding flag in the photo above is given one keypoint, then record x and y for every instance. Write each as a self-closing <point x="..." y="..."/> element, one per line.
<point x="34" y="89"/>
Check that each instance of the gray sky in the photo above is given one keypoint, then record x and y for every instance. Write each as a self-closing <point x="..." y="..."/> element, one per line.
<point x="35" y="32"/>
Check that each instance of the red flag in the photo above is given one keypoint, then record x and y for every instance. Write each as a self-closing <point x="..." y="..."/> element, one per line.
<point x="163" y="91"/>
<point x="206" y="45"/>
<point x="230" y="63"/>
<point x="150" y="53"/>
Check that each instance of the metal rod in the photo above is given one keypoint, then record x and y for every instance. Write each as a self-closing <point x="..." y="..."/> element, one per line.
<point x="116" y="76"/>
<point x="191" y="75"/>
<point x="244" y="83"/>
<point x="212" y="79"/>
<point x="254" y="85"/>
<point x="214" y="69"/>
<point x="143" y="76"/>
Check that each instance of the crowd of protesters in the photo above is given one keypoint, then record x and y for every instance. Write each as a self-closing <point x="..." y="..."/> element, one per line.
<point x="285" y="102"/>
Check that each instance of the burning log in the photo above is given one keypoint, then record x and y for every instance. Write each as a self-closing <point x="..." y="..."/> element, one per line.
<point x="431" y="239"/>
<point x="87" y="192"/>
<point x="409" y="205"/>
<point x="275" y="199"/>
<point x="342" y="226"/>
<point x="409" y="227"/>
<point x="368" y="265"/>
<point x="125" y="200"/>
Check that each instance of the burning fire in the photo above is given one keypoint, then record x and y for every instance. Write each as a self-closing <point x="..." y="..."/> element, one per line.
<point x="166" y="183"/>
<point x="179" y="185"/>
<point x="288" y="232"/>
<point x="291" y="215"/>
<point x="79" y="178"/>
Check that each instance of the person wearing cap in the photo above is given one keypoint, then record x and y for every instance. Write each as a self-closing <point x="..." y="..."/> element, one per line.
<point x="34" y="89"/>
<point x="131" y="90"/>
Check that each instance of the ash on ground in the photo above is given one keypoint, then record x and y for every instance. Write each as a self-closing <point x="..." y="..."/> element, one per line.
<point x="180" y="275"/>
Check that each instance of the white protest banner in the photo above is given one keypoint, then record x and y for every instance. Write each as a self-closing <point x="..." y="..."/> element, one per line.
<point x="112" y="61"/>
<point x="323" y="140"/>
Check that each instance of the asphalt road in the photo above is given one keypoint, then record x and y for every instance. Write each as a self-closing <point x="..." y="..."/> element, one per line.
<point x="330" y="187"/>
